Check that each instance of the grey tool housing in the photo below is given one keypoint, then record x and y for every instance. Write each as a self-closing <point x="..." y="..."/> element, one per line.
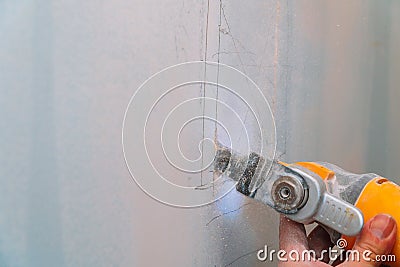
<point x="325" y="208"/>
<point x="291" y="190"/>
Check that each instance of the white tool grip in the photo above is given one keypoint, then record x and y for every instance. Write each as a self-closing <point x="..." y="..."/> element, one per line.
<point x="339" y="215"/>
<point x="325" y="208"/>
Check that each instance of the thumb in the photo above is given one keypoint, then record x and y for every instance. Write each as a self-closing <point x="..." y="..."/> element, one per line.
<point x="377" y="238"/>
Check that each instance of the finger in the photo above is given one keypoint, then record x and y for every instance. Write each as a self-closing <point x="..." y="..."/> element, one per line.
<point x="377" y="237"/>
<point x="292" y="235"/>
<point x="319" y="240"/>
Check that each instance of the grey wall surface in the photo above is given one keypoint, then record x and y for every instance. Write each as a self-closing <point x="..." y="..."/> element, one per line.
<point x="67" y="72"/>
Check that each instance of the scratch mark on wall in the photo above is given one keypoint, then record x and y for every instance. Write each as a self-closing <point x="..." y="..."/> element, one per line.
<point x="228" y="212"/>
<point x="234" y="40"/>
<point x="206" y="186"/>
<point x="231" y="52"/>
<point x="237" y="43"/>
<point x="242" y="256"/>
<point x="204" y="93"/>
<point x="276" y="54"/>
<point x="176" y="46"/>
<point x="217" y="89"/>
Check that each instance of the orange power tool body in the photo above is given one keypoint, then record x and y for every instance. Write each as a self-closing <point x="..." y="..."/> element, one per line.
<point x="309" y="192"/>
<point x="370" y="193"/>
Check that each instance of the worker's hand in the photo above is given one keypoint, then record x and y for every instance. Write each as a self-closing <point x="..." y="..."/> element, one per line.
<point x="378" y="236"/>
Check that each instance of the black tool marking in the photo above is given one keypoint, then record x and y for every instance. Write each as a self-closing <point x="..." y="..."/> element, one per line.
<point x="244" y="182"/>
<point x="222" y="158"/>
